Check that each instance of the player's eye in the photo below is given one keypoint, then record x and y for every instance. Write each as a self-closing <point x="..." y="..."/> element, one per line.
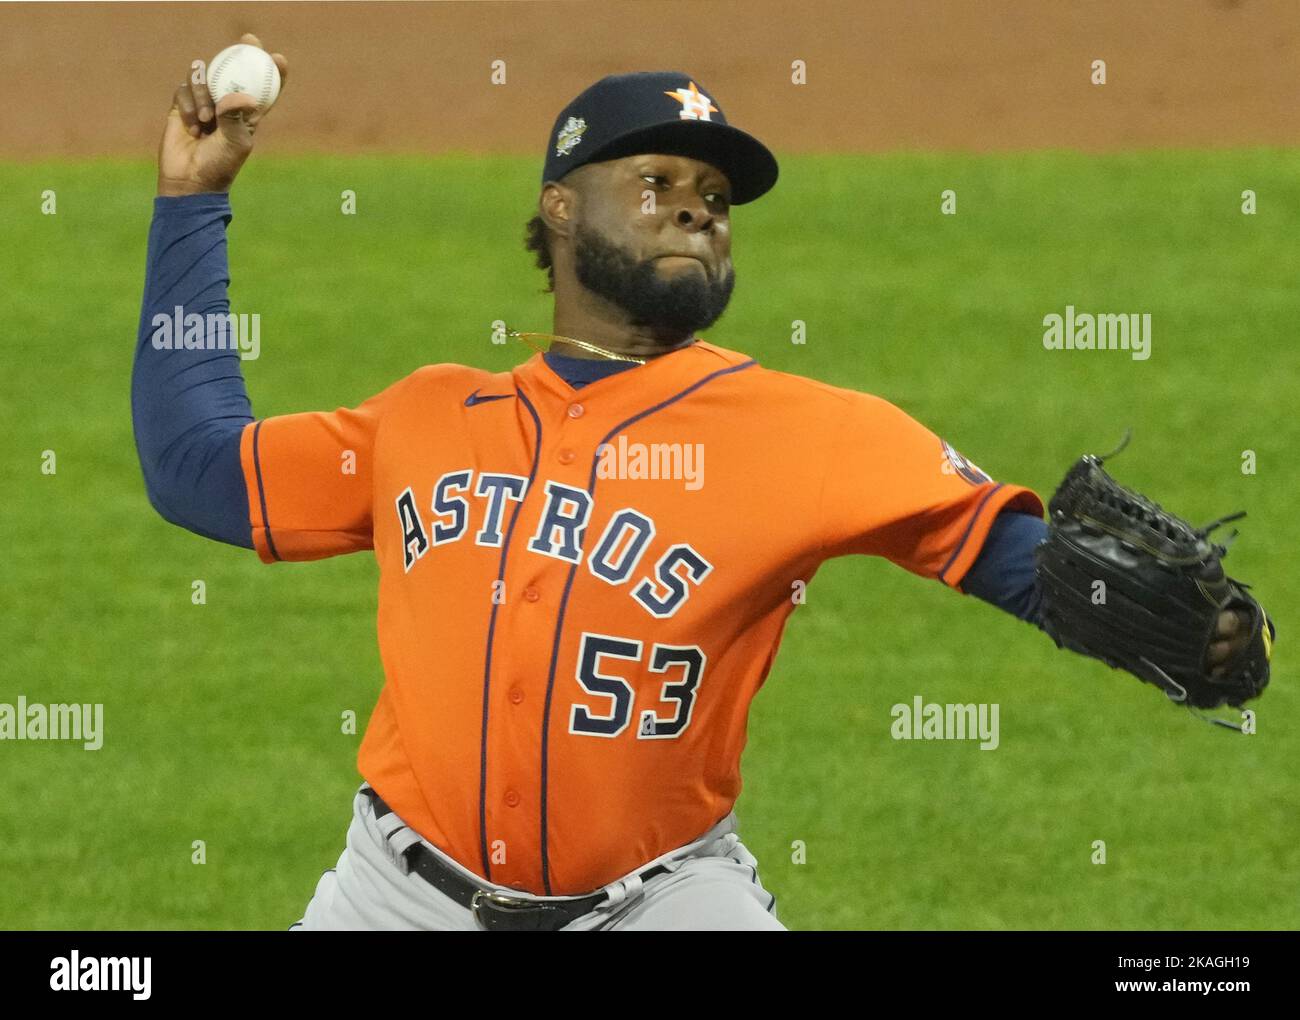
<point x="654" y="178"/>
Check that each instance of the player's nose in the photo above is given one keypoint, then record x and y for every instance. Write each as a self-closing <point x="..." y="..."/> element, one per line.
<point x="694" y="216"/>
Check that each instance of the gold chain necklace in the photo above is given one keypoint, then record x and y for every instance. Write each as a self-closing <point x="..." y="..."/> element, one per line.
<point x="583" y="344"/>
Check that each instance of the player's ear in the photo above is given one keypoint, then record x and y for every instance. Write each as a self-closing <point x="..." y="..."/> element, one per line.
<point x="557" y="206"/>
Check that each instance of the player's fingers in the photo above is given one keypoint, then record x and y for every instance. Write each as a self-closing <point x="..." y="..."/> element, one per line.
<point x="1229" y="623"/>
<point x="1219" y="652"/>
<point x="183" y="103"/>
<point x="234" y="116"/>
<point x="203" y="106"/>
<point x="233" y="101"/>
<point x="253" y="117"/>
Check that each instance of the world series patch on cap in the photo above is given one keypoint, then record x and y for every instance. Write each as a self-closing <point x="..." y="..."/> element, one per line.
<point x="664" y="112"/>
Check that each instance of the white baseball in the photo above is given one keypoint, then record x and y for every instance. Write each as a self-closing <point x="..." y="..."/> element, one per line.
<point x="247" y="69"/>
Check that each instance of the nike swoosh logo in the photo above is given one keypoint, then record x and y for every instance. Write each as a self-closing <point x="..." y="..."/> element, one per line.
<point x="474" y="398"/>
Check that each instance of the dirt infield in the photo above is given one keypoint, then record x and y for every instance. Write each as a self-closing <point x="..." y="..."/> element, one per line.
<point x="84" y="79"/>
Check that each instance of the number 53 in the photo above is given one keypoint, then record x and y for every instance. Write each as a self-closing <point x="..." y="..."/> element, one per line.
<point x="595" y="647"/>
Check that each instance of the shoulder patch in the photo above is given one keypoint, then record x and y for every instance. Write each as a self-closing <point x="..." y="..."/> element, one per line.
<point x="955" y="463"/>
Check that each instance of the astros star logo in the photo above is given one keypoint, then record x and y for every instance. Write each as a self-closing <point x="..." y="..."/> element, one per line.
<point x="695" y="104"/>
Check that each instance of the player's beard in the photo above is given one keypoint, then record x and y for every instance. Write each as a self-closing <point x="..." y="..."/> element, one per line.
<point x="673" y="307"/>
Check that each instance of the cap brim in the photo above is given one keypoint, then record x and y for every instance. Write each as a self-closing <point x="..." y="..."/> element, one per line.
<point x="749" y="165"/>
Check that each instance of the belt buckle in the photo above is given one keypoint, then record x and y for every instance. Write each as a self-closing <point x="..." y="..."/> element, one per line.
<point x="502" y="909"/>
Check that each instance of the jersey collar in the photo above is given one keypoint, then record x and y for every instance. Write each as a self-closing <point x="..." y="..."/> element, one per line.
<point x="658" y="379"/>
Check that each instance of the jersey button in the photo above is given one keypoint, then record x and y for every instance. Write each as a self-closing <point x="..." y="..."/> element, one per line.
<point x="576" y="410"/>
<point x="512" y="798"/>
<point x="516" y="695"/>
<point x="566" y="456"/>
<point x="532" y="594"/>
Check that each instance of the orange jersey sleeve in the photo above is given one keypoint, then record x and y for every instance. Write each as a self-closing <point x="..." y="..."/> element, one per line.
<point x="895" y="489"/>
<point x="310" y="479"/>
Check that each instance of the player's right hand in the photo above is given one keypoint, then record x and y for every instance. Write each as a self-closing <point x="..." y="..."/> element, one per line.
<point x="203" y="147"/>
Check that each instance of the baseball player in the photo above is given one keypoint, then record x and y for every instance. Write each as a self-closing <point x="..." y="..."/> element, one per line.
<point x="571" y="638"/>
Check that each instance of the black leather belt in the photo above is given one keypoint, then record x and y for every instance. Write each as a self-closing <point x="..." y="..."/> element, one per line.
<point x="496" y="911"/>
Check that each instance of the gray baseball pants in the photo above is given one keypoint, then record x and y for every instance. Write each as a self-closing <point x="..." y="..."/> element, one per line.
<point x="712" y="886"/>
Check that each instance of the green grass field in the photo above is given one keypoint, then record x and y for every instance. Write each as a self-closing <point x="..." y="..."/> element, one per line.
<point x="222" y="720"/>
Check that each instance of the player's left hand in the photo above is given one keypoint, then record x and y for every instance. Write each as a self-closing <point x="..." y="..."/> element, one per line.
<point x="1166" y="587"/>
<point x="1234" y="632"/>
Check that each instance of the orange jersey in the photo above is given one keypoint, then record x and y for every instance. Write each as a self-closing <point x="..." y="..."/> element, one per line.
<point x="582" y="590"/>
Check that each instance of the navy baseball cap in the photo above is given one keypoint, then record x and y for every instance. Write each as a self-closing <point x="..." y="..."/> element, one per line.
<point x="657" y="112"/>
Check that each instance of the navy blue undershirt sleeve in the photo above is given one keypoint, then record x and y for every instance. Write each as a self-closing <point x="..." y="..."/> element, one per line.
<point x="1003" y="573"/>
<point x="189" y="407"/>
